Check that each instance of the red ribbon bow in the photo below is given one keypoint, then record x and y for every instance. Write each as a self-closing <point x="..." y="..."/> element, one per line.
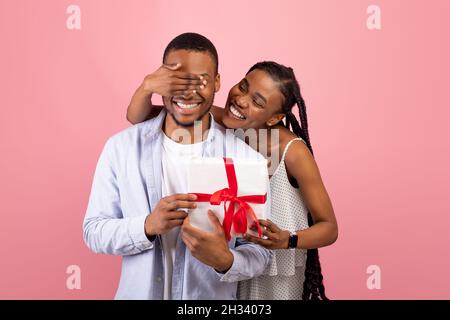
<point x="238" y="219"/>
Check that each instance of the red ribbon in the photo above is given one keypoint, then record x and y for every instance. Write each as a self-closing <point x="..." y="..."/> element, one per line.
<point x="229" y="195"/>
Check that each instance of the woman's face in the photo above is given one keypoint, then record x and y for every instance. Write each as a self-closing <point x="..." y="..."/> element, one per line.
<point x="255" y="102"/>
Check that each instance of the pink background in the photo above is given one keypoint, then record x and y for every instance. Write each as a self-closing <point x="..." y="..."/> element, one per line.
<point x="378" y="109"/>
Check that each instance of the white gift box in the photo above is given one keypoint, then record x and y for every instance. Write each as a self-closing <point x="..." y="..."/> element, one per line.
<point x="208" y="175"/>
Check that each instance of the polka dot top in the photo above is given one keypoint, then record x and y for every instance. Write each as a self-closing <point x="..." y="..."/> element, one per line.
<point x="284" y="277"/>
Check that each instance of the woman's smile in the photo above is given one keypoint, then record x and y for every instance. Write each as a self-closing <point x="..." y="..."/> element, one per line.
<point x="235" y="112"/>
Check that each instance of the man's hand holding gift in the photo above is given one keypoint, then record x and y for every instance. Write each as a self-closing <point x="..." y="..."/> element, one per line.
<point x="167" y="214"/>
<point x="211" y="248"/>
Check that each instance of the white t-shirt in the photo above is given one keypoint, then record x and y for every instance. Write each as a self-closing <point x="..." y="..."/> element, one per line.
<point x="175" y="158"/>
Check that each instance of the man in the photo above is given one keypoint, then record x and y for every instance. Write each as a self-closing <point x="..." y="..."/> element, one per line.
<point x="139" y="195"/>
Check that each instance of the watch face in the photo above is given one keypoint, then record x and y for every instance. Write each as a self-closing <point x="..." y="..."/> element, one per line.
<point x="293" y="241"/>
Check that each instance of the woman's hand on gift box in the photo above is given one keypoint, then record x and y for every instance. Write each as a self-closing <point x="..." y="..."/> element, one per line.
<point x="167" y="215"/>
<point x="211" y="248"/>
<point x="276" y="238"/>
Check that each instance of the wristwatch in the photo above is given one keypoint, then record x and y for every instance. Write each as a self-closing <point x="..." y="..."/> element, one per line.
<point x="293" y="239"/>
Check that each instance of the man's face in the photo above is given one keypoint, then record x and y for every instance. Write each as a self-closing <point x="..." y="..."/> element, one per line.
<point x="188" y="108"/>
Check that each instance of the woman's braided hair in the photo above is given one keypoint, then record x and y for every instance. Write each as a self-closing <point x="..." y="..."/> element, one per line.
<point x="313" y="288"/>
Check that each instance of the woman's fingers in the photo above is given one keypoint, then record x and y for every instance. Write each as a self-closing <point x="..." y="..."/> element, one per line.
<point x="173" y="66"/>
<point x="184" y="87"/>
<point x="268" y="234"/>
<point x="269" y="225"/>
<point x="179" y="90"/>
<point x="269" y="229"/>
<point x="187" y="75"/>
<point x="265" y="230"/>
<point x="179" y="81"/>
<point x="257" y="240"/>
<point x="184" y="93"/>
<point x="189" y="80"/>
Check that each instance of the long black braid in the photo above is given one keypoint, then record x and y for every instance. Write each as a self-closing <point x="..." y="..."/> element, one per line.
<point x="313" y="288"/>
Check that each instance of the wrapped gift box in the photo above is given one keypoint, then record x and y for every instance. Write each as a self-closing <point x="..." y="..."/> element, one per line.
<point x="235" y="189"/>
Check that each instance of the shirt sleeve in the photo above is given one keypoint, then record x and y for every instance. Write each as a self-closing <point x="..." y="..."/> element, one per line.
<point x="250" y="260"/>
<point x="105" y="230"/>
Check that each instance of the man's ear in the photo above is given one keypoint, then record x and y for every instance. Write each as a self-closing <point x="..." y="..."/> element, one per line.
<point x="217" y="83"/>
<point x="275" y="119"/>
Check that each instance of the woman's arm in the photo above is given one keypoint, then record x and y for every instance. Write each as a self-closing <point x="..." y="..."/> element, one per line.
<point x="141" y="107"/>
<point x="301" y="165"/>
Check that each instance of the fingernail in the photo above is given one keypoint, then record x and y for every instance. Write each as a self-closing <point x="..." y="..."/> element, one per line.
<point x="201" y="77"/>
<point x="205" y="82"/>
<point x="202" y="86"/>
<point x="194" y="91"/>
<point x="194" y="196"/>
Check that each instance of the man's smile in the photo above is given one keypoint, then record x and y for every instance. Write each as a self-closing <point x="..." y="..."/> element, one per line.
<point x="186" y="107"/>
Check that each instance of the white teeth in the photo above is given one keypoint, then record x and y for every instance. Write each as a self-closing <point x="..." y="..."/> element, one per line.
<point x="187" y="106"/>
<point x="236" y="113"/>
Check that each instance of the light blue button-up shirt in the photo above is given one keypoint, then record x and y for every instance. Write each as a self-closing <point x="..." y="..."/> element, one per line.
<point x="125" y="189"/>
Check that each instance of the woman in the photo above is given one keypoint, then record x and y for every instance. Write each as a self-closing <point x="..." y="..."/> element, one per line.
<point x="302" y="215"/>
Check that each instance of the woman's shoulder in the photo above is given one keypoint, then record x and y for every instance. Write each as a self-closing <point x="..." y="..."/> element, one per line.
<point x="285" y="137"/>
<point x="296" y="149"/>
<point x="298" y="159"/>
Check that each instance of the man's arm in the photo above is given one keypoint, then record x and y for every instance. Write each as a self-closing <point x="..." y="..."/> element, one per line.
<point x="250" y="260"/>
<point x="105" y="230"/>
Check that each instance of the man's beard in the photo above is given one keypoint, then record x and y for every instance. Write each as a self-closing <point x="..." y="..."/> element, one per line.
<point x="190" y="124"/>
